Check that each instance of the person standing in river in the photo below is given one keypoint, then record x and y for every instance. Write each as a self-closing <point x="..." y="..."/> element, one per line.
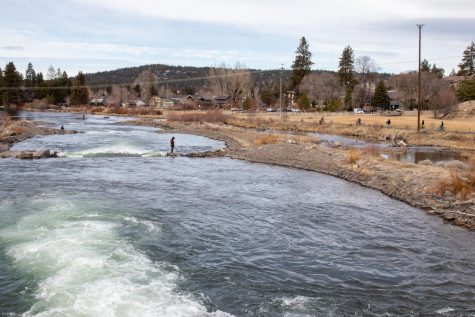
<point x="172" y="144"/>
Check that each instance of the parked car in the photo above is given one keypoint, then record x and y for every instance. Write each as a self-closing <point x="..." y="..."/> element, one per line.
<point x="358" y="110"/>
<point x="270" y="110"/>
<point x="295" y="110"/>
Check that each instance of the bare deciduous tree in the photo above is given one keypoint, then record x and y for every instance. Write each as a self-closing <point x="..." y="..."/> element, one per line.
<point x="437" y="94"/>
<point x="118" y="95"/>
<point x="147" y="81"/>
<point x="322" y="87"/>
<point x="234" y="82"/>
<point x="365" y="68"/>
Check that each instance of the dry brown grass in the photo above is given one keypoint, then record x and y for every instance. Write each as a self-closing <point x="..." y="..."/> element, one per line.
<point x="97" y="109"/>
<point x="461" y="183"/>
<point x="145" y="111"/>
<point x="372" y="150"/>
<point x="268" y="139"/>
<point x="6" y="122"/>
<point x="37" y="104"/>
<point x="353" y="156"/>
<point x="208" y="116"/>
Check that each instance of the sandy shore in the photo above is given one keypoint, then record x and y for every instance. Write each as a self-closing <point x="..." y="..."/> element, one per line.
<point x="411" y="183"/>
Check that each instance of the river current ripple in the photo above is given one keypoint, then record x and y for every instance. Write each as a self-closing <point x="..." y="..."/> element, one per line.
<point x="113" y="229"/>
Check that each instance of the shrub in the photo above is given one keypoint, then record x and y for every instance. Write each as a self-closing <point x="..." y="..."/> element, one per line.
<point x="97" y="109"/>
<point x="353" y="156"/>
<point x="425" y="162"/>
<point x="460" y="183"/>
<point x="208" y="116"/>
<point x="267" y="139"/>
<point x="372" y="150"/>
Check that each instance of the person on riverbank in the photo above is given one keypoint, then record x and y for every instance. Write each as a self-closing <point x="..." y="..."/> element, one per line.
<point x="388" y="123"/>
<point x="358" y="122"/>
<point x="172" y="144"/>
<point x="62" y="127"/>
<point x="422" y="125"/>
<point x="441" y="127"/>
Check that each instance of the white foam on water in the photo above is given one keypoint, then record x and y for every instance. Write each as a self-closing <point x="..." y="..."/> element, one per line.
<point x="150" y="226"/>
<point x="112" y="150"/>
<point x="298" y="301"/>
<point x="445" y="310"/>
<point x="84" y="268"/>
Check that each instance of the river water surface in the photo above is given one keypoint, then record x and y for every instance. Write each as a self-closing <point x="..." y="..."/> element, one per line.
<point x="114" y="228"/>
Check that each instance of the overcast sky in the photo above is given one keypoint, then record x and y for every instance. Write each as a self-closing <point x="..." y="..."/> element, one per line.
<point x="96" y="35"/>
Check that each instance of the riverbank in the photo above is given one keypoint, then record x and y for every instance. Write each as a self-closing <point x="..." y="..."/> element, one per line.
<point x="12" y="132"/>
<point x="427" y="187"/>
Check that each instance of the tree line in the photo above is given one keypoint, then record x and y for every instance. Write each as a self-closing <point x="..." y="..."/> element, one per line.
<point x="357" y="83"/>
<point x="57" y="88"/>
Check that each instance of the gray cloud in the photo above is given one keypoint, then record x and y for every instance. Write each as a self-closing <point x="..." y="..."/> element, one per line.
<point x="461" y="27"/>
<point x="13" y="48"/>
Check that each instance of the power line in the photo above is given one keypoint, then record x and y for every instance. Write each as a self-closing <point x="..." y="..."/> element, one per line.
<point x="181" y="80"/>
<point x="158" y="82"/>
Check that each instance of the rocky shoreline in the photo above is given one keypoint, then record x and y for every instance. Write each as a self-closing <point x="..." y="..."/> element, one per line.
<point x="411" y="183"/>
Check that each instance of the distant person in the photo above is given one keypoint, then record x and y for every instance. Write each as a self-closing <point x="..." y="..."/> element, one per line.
<point x="322" y="120"/>
<point x="442" y="127"/>
<point x="422" y="125"/>
<point x="388" y="123"/>
<point x="83" y="117"/>
<point x="172" y="144"/>
<point x="62" y="127"/>
<point x="358" y="122"/>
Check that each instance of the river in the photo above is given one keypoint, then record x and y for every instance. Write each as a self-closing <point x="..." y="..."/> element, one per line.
<point x="115" y="228"/>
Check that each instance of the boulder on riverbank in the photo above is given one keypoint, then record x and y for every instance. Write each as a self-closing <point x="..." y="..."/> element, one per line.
<point x="29" y="154"/>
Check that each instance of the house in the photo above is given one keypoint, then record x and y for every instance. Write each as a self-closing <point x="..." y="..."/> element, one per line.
<point x="454" y="81"/>
<point x="221" y="101"/>
<point x="98" y="101"/>
<point x="167" y="103"/>
<point x="156" y="101"/>
<point x="204" y="102"/>
<point x="136" y="103"/>
<point x="394" y="102"/>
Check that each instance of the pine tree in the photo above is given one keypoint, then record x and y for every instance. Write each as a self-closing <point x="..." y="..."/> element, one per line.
<point x="30" y="82"/>
<point x="467" y="66"/>
<point x="381" y="97"/>
<point x="302" y="64"/>
<point x="303" y="102"/>
<point x="12" y="81"/>
<point x="246" y="104"/>
<point x="438" y="71"/>
<point x="466" y="90"/>
<point x="346" y="74"/>
<point x="30" y="76"/>
<point x="425" y="66"/>
<point x="138" y="90"/>
<point x="80" y="94"/>
<point x="40" y="83"/>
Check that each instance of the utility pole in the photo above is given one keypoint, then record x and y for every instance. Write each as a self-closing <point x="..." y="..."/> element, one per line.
<point x="280" y="89"/>
<point x="419" y="82"/>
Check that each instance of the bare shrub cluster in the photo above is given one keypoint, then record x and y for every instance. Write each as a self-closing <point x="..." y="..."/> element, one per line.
<point x="372" y="150"/>
<point x="461" y="183"/>
<point x="208" y="116"/>
<point x="353" y="156"/>
<point x="268" y="139"/>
